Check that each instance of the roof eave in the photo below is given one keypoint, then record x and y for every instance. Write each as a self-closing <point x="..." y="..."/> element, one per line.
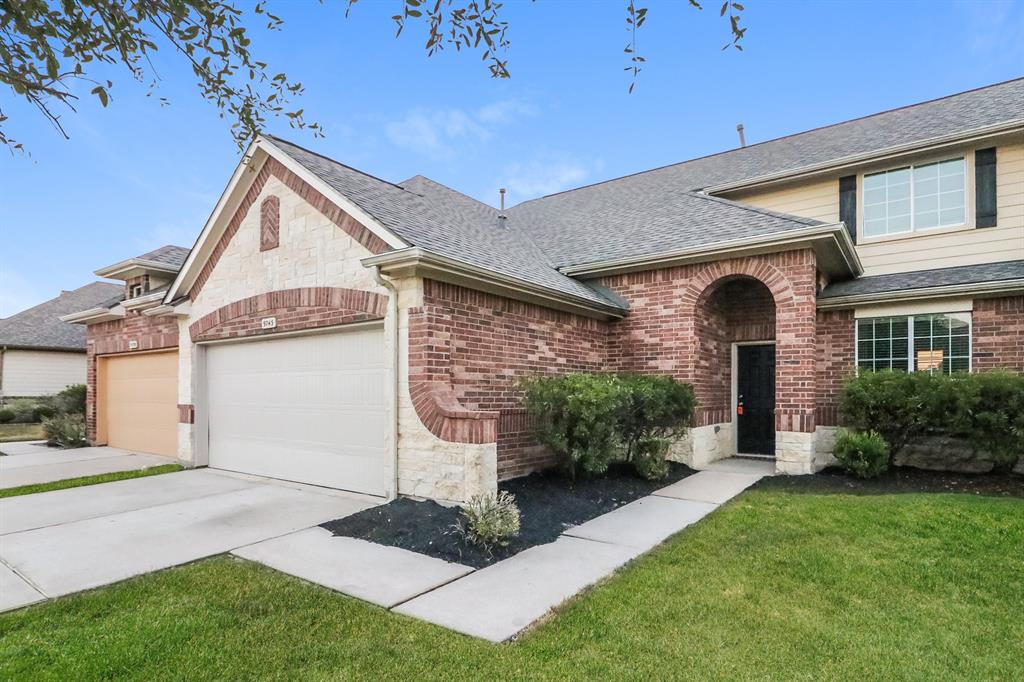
<point x="112" y="271"/>
<point x="833" y="165"/>
<point x="94" y="315"/>
<point x="999" y="288"/>
<point x="415" y="261"/>
<point x="836" y="253"/>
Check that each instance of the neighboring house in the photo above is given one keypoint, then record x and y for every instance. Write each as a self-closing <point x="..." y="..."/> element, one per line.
<point x="133" y="359"/>
<point x="337" y="329"/>
<point x="39" y="353"/>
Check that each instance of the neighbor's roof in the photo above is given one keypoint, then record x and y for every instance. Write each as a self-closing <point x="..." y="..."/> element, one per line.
<point x="926" y="279"/>
<point x="40" y="326"/>
<point x="168" y="255"/>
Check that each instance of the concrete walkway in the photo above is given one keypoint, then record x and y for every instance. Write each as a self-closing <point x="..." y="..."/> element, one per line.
<point x="501" y="600"/>
<point x="65" y="541"/>
<point x="23" y="447"/>
<point x="31" y="464"/>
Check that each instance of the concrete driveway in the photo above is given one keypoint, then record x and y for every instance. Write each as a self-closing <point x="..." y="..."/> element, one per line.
<point x="32" y="463"/>
<point x="60" y="542"/>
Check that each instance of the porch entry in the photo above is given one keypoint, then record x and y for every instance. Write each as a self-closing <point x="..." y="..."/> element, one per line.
<point x="755" y="399"/>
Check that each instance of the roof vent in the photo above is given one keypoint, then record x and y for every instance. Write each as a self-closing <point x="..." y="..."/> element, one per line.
<point x="502" y="193"/>
<point x="502" y="218"/>
<point x="743" y="139"/>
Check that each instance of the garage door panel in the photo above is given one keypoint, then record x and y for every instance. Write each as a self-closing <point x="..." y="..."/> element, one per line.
<point x="308" y="409"/>
<point x="140" y="398"/>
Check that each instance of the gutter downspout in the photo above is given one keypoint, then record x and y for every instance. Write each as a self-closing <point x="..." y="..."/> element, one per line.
<point x="392" y="319"/>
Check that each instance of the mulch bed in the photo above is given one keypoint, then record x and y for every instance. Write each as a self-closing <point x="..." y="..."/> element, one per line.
<point x="548" y="504"/>
<point x="899" y="480"/>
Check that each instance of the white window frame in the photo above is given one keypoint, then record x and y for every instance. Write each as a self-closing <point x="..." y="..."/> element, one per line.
<point x="968" y="157"/>
<point x="911" y="356"/>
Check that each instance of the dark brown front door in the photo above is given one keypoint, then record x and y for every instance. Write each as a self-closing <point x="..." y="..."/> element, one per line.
<point x="755" y="400"/>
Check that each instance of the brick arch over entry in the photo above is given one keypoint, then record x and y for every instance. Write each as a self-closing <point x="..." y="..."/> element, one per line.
<point x="791" y="279"/>
<point x="295" y="310"/>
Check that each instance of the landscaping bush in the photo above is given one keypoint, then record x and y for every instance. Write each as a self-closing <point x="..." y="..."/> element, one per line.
<point x="71" y="400"/>
<point x="490" y="519"/>
<point x="6" y="416"/>
<point x="65" y="431"/>
<point x="590" y="420"/>
<point x="984" y="409"/>
<point x="864" y="455"/>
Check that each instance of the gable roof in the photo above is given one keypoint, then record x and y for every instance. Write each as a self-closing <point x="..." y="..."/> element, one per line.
<point x="40" y="326"/>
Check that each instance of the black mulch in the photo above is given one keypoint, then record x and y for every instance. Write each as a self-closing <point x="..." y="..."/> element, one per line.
<point x="548" y="505"/>
<point x="899" y="480"/>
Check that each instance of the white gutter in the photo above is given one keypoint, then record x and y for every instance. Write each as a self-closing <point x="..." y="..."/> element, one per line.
<point x="953" y="139"/>
<point x="142" y="301"/>
<point x="111" y="270"/>
<point x="978" y="289"/>
<point x="435" y="266"/>
<point x="392" y="319"/>
<point x="94" y="315"/>
<point x="835" y="231"/>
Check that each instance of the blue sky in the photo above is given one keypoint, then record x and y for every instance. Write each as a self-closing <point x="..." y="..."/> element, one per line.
<point x="136" y="175"/>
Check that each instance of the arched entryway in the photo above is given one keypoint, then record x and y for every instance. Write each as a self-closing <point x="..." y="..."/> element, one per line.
<point x="734" y="371"/>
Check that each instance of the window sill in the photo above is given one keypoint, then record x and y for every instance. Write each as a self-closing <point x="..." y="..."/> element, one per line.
<point x="925" y="232"/>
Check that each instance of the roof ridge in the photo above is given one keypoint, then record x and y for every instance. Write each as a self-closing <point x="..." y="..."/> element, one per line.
<point x="774" y="139"/>
<point x="344" y="165"/>
<point x="756" y="209"/>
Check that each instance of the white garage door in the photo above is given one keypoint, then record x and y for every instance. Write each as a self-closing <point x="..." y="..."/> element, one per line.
<point x="304" y="408"/>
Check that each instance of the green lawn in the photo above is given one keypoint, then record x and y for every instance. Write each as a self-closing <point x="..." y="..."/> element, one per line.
<point x="775" y="585"/>
<point x="89" y="480"/>
<point x="10" y="433"/>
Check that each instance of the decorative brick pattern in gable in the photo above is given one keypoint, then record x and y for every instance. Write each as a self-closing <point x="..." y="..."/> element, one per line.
<point x="294" y="310"/>
<point x="106" y="338"/>
<point x="998" y="330"/>
<point x="270" y="223"/>
<point x="343" y="220"/>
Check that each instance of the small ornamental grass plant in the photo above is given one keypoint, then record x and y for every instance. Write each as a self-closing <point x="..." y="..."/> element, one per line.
<point x="65" y="431"/>
<point x="490" y="520"/>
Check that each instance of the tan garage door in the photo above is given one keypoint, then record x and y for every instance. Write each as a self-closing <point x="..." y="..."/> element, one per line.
<point x="138" y="402"/>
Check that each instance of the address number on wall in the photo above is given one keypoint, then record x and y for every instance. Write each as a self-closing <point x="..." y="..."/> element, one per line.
<point x="268" y="323"/>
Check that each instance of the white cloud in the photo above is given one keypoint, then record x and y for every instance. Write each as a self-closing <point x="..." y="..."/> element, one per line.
<point x="545" y="175"/>
<point x="434" y="132"/>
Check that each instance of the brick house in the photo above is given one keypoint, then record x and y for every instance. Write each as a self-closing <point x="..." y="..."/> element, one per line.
<point x="334" y="328"/>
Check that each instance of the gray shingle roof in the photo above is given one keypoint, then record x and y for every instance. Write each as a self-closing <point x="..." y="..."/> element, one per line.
<point x="41" y="327"/>
<point x="427" y="214"/>
<point x="171" y="255"/>
<point x="614" y="219"/>
<point x="923" y="279"/>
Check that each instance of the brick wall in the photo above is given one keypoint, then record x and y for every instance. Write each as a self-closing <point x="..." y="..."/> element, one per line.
<point x="106" y="338"/>
<point x="682" y="320"/>
<point x="998" y="329"/>
<point x="835" y="358"/>
<point x="481" y="344"/>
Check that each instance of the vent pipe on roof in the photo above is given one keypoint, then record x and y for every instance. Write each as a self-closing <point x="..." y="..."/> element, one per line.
<point x="502" y="193"/>
<point x="743" y="139"/>
<point x="502" y="218"/>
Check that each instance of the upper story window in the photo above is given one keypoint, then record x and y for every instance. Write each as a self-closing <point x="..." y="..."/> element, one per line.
<point x="915" y="197"/>
<point x="919" y="343"/>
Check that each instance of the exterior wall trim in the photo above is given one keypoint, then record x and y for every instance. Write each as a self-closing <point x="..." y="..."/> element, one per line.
<point x="1005" y="288"/>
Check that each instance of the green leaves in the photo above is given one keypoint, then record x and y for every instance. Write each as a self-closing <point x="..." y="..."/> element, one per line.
<point x="101" y="93"/>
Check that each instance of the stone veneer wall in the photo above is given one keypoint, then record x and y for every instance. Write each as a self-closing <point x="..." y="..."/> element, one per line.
<point x="112" y="337"/>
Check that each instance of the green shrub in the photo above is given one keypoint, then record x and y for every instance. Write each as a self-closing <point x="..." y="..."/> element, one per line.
<point x="864" y="455"/>
<point x="6" y="416"/>
<point x="590" y="420"/>
<point x="71" y="400"/>
<point x="65" y="431"/>
<point x="576" y="415"/>
<point x="24" y="410"/>
<point x="42" y="411"/>
<point x="490" y="519"/>
<point x="986" y="409"/>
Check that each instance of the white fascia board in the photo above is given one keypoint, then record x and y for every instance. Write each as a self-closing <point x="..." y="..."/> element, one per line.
<point x="111" y="271"/>
<point x="144" y="301"/>
<point x="253" y="159"/>
<point x="180" y="310"/>
<point x="94" y="315"/>
<point x="1003" y="288"/>
<point x="835" y="234"/>
<point x="415" y="260"/>
<point x="935" y="143"/>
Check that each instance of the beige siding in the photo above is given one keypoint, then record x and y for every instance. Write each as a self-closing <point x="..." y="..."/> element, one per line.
<point x="941" y="249"/>
<point x="1003" y="242"/>
<point x="818" y="199"/>
<point x="34" y="373"/>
